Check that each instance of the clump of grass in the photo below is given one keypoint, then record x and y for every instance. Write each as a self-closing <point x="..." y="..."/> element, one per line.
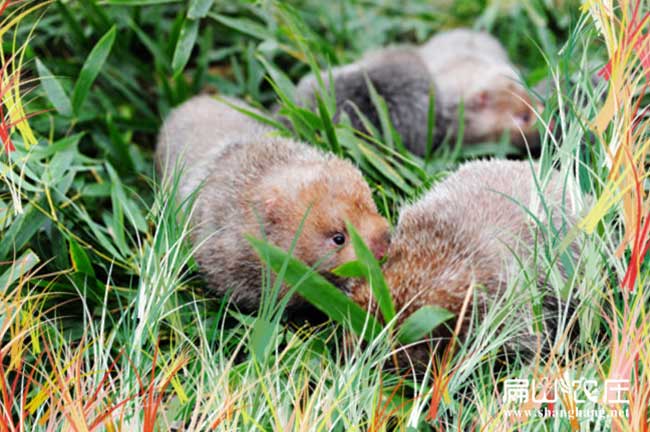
<point x="102" y="318"/>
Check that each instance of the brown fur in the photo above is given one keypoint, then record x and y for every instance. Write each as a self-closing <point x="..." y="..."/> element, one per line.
<point x="463" y="233"/>
<point x="250" y="177"/>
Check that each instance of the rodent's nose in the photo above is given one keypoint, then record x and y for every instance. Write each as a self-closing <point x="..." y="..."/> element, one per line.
<point x="380" y="246"/>
<point x="379" y="252"/>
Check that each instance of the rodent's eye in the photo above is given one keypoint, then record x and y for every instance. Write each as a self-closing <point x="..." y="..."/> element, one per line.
<point x="525" y="117"/>
<point x="338" y="239"/>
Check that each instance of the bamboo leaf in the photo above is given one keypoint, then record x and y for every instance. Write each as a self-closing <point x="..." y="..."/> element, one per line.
<point x="244" y="25"/>
<point x="317" y="290"/>
<point x="199" y="8"/>
<point x="54" y="90"/>
<point x="352" y="269"/>
<point x="335" y="147"/>
<point x="62" y="145"/>
<point x="417" y="326"/>
<point x="91" y="69"/>
<point x="79" y="258"/>
<point x="184" y="45"/>
<point x="22" y="230"/>
<point x="19" y="267"/>
<point x="371" y="266"/>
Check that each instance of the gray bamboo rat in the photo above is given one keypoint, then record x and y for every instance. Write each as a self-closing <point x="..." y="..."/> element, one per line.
<point x="459" y="66"/>
<point x="246" y="175"/>
<point x="473" y="68"/>
<point x="400" y="76"/>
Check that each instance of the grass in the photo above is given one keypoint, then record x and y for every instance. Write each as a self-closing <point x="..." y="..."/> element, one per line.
<point x="103" y="321"/>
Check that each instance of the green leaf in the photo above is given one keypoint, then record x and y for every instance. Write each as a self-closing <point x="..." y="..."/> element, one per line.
<point x="417" y="326"/>
<point x="460" y="133"/>
<point x="73" y="30"/>
<point x="54" y="90"/>
<point x="431" y="124"/>
<point x="91" y="69"/>
<point x="64" y="144"/>
<point x="98" y="232"/>
<point x="373" y="274"/>
<point x="118" y="198"/>
<point x="119" y="148"/>
<point x="59" y="165"/>
<point x="317" y="290"/>
<point x="95" y="190"/>
<point x="199" y="8"/>
<point x="284" y="85"/>
<point x="391" y="136"/>
<point x="22" y="265"/>
<point x="384" y="168"/>
<point x="351" y="269"/>
<point x="141" y="2"/>
<point x="79" y="258"/>
<point x="244" y="25"/>
<point x="95" y="15"/>
<point x="157" y="51"/>
<point x="251" y="113"/>
<point x="22" y="229"/>
<point x="184" y="45"/>
<point x="335" y="147"/>
<point x="261" y="338"/>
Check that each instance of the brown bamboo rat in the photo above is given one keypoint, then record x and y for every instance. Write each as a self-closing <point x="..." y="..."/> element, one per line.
<point x="470" y="230"/>
<point x="247" y="176"/>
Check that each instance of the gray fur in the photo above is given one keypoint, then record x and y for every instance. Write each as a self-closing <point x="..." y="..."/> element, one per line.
<point x="462" y="66"/>
<point x="472" y="67"/>
<point x="399" y="75"/>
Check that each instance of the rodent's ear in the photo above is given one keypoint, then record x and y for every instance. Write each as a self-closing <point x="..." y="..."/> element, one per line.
<point x="272" y="213"/>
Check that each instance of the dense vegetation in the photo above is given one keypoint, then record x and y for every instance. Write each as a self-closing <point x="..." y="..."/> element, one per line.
<point x="103" y="320"/>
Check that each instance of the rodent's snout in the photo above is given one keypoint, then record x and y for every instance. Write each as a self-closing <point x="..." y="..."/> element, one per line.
<point x="379" y="246"/>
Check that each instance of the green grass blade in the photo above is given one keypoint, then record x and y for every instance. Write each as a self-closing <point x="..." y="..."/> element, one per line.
<point x="384" y="168"/>
<point x="22" y="265"/>
<point x="91" y="69"/>
<point x="54" y="90"/>
<point x="244" y="25"/>
<point x="373" y="274"/>
<point x="199" y="8"/>
<point x="184" y="45"/>
<point x="285" y="88"/>
<point x="431" y="124"/>
<point x="335" y="147"/>
<point x="352" y="269"/>
<point x="141" y="2"/>
<point x="417" y="326"/>
<point x="80" y="260"/>
<point x="318" y="291"/>
<point x="261" y="337"/>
